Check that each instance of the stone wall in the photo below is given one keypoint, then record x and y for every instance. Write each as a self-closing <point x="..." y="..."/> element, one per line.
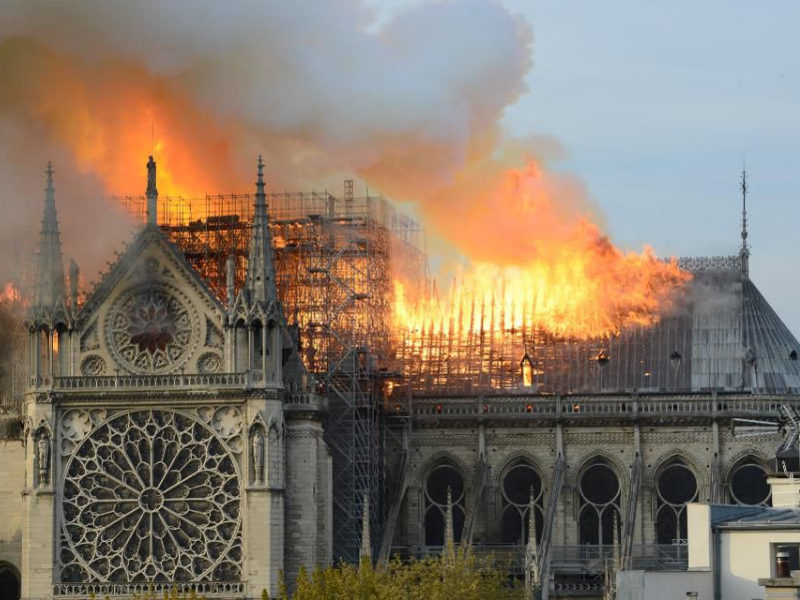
<point x="693" y="444"/>
<point x="12" y="482"/>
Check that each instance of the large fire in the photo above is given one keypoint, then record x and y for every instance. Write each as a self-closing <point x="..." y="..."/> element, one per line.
<point x="568" y="279"/>
<point x="106" y="112"/>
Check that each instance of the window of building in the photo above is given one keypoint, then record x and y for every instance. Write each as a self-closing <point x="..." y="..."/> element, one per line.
<point x="442" y="477"/>
<point x="749" y="485"/>
<point x="520" y="483"/>
<point x="676" y="485"/>
<point x="599" y="496"/>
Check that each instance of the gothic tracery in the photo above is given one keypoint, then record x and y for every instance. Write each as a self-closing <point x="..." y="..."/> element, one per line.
<point x="151" y="495"/>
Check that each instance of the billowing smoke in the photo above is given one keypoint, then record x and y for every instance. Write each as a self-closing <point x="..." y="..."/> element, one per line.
<point x="410" y="106"/>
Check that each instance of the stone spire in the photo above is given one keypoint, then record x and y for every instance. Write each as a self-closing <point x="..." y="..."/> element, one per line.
<point x="50" y="268"/>
<point x="260" y="265"/>
<point x="366" y="540"/>
<point x="449" y="536"/>
<point x="531" y="554"/>
<point x="744" y="251"/>
<point x="152" y="193"/>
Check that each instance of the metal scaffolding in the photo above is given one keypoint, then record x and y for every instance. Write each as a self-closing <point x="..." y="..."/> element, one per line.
<point x="335" y="259"/>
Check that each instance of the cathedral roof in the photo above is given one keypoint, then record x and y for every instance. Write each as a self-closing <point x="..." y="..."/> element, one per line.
<point x="725" y="336"/>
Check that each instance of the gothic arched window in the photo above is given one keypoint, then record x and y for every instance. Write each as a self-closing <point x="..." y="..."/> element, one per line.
<point x="519" y="482"/>
<point x="599" y="498"/>
<point x="676" y="485"/>
<point x="439" y="479"/>
<point x="748" y="484"/>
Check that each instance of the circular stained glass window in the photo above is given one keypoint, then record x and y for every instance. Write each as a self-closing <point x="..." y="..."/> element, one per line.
<point x="151" y="496"/>
<point x="151" y="331"/>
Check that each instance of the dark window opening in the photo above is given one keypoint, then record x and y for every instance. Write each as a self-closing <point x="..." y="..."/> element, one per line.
<point x="520" y="485"/>
<point x="599" y="491"/>
<point x="676" y="486"/>
<point x="749" y="485"/>
<point x="440" y="479"/>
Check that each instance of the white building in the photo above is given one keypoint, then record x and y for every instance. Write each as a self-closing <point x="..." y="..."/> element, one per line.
<point x="730" y="548"/>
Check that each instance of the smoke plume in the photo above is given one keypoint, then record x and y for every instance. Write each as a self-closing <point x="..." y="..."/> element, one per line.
<point x="321" y="88"/>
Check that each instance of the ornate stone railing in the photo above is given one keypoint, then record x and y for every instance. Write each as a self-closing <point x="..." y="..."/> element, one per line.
<point x="710" y="263"/>
<point x="209" y="589"/>
<point x="598" y="407"/>
<point x="137" y="382"/>
<point x="306" y="400"/>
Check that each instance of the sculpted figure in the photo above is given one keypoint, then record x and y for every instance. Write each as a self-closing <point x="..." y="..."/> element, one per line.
<point x="258" y="457"/>
<point x="151" y="177"/>
<point x="43" y="445"/>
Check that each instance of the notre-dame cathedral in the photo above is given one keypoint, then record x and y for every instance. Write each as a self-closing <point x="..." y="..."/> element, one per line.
<point x="173" y="434"/>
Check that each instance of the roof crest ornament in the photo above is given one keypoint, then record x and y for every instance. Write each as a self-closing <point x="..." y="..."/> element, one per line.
<point x="744" y="251"/>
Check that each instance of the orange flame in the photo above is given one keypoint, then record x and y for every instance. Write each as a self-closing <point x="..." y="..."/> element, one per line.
<point x="112" y="115"/>
<point x="10" y="294"/>
<point x="574" y="283"/>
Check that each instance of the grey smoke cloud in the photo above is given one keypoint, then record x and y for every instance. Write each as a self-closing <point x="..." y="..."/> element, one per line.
<point x="315" y="85"/>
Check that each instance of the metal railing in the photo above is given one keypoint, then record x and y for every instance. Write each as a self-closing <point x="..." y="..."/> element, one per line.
<point x="591" y="558"/>
<point x="583" y="558"/>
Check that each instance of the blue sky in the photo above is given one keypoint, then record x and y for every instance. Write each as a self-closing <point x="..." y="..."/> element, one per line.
<point x="657" y="104"/>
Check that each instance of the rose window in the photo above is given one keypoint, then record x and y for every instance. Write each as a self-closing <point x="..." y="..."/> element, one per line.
<point x="151" y="331"/>
<point x="151" y="496"/>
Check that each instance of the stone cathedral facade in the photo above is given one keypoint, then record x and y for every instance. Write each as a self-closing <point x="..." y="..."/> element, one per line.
<point x="166" y="436"/>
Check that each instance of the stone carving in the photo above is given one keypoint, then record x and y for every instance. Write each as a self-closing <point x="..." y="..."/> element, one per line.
<point x="166" y="483"/>
<point x="214" y="337"/>
<point x="258" y="456"/>
<point x="151" y="265"/>
<point x="151" y="331"/>
<point x="210" y="362"/>
<point x="151" y="177"/>
<point x="227" y="421"/>
<point x="75" y="424"/>
<point x="93" y="365"/>
<point x="43" y="457"/>
<point x="89" y="339"/>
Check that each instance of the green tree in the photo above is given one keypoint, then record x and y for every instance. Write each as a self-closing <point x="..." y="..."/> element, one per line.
<point x="456" y="574"/>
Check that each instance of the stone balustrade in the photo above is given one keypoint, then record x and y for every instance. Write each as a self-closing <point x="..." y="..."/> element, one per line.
<point x="138" y="382"/>
<point x="557" y="408"/>
<point x="209" y="589"/>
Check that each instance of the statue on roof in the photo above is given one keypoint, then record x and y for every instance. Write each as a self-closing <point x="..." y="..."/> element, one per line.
<point x="151" y="178"/>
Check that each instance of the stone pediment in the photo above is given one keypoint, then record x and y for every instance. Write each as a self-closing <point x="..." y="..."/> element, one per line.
<point x="150" y="315"/>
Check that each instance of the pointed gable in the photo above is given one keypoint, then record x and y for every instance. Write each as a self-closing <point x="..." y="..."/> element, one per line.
<point x="151" y="314"/>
